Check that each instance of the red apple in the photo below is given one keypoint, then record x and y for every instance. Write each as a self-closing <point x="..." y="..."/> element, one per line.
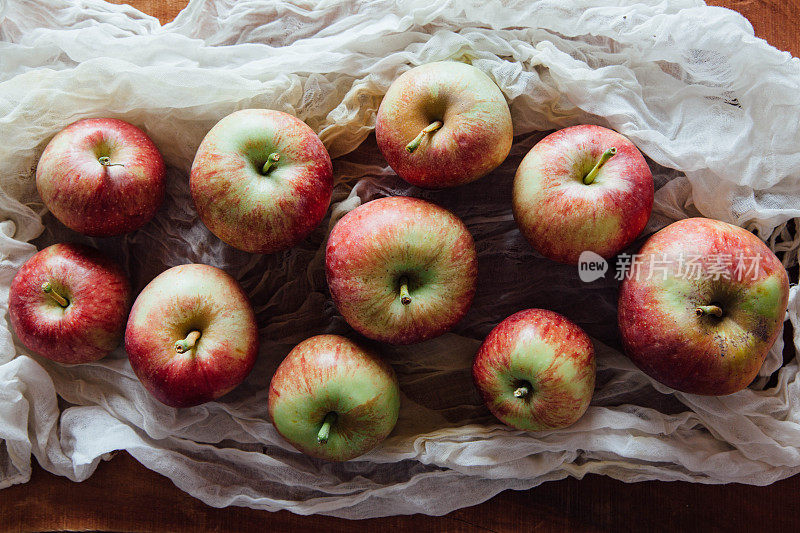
<point x="536" y="371"/>
<point x="582" y="188"/>
<point x="261" y="180"/>
<point x="443" y="124"/>
<point x="69" y="303"/>
<point x="701" y="306"/>
<point x="101" y="177"/>
<point x="401" y="270"/>
<point x="332" y="399"/>
<point x="192" y="335"/>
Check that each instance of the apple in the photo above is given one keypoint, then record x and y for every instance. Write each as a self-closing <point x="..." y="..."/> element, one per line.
<point x="582" y="188"/>
<point x="101" y="177"/>
<point x="261" y="180"/>
<point x="192" y="335"/>
<point x="535" y="371"/>
<point x="701" y="306"/>
<point x="401" y="270"/>
<point x="443" y="124"/>
<point x="332" y="399"/>
<point x="69" y="303"/>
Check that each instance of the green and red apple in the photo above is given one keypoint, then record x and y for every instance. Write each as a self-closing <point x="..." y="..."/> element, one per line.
<point x="584" y="188"/>
<point x="332" y="399"/>
<point x="443" y="124"/>
<point x="191" y="335"/>
<point x="401" y="270"/>
<point x="702" y="305"/>
<point x="101" y="177"/>
<point x="536" y="370"/>
<point x="69" y="303"/>
<point x="261" y="180"/>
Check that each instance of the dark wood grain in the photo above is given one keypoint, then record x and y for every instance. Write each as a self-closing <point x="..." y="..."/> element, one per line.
<point x="124" y="496"/>
<point x="776" y="21"/>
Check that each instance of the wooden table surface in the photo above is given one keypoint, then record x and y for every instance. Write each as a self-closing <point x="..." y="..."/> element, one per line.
<point x="122" y="495"/>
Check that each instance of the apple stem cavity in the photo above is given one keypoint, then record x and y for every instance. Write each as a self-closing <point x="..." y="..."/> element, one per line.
<point x="608" y="154"/>
<point x="106" y="162"/>
<point x="430" y="128"/>
<point x="60" y="300"/>
<point x="705" y="310"/>
<point x="272" y="160"/>
<point x="183" y="346"/>
<point x="325" y="430"/>
<point x="522" y="392"/>
<point x="405" y="297"/>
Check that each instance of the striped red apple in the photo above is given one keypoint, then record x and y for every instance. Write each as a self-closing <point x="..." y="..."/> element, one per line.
<point x="261" y="180"/>
<point x="584" y="188"/>
<point x="536" y="370"/>
<point x="191" y="335"/>
<point x="101" y="177"/>
<point x="332" y="399"/>
<point x="443" y="124"/>
<point x="69" y="303"/>
<point x="401" y="270"/>
<point x="702" y="305"/>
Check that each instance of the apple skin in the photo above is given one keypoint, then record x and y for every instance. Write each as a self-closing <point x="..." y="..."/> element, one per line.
<point x="96" y="199"/>
<point x="476" y="132"/>
<point x="247" y="209"/>
<point x="373" y="247"/>
<point x="661" y="330"/>
<point x="98" y="294"/>
<point x="546" y="353"/>
<point x="329" y="373"/>
<point x="181" y="300"/>
<point x="560" y="215"/>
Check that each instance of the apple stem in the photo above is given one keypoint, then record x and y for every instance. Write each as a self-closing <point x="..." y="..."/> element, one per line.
<point x="106" y="162"/>
<point x="521" y="392"/>
<point x="430" y="128"/>
<point x="709" y="310"/>
<point x="405" y="297"/>
<point x="60" y="300"/>
<point x="188" y="343"/>
<point x="608" y="154"/>
<point x="325" y="430"/>
<point x="272" y="160"/>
